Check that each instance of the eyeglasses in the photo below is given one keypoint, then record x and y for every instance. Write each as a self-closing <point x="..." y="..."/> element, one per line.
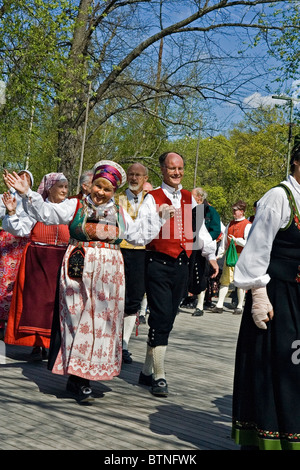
<point x="172" y="169"/>
<point x="138" y="175"/>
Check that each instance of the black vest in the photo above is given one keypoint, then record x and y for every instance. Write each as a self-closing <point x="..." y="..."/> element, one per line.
<point x="285" y="254"/>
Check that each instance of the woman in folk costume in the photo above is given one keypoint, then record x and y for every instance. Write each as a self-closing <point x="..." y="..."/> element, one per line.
<point x="92" y="287"/>
<point x="11" y="249"/>
<point x="31" y="312"/>
<point x="266" y="407"/>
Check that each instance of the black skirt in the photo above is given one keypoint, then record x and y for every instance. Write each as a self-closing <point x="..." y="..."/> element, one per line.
<point x="266" y="405"/>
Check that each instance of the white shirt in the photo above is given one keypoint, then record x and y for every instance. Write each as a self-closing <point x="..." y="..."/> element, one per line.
<point x="19" y="224"/>
<point x="138" y="232"/>
<point x="204" y="240"/>
<point x="134" y="199"/>
<point x="272" y="213"/>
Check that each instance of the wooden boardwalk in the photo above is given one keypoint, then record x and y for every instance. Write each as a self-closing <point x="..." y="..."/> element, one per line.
<point x="38" y="414"/>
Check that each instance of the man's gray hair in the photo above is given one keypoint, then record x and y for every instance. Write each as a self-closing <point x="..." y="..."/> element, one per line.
<point x="85" y="177"/>
<point x="200" y="193"/>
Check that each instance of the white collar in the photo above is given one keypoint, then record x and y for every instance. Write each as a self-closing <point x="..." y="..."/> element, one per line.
<point x="88" y="199"/>
<point x="170" y="189"/>
<point x="50" y="202"/>
<point x="294" y="183"/>
<point x="130" y="194"/>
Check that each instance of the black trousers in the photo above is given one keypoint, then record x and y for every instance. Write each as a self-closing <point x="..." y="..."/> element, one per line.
<point x="134" y="266"/>
<point x="166" y="283"/>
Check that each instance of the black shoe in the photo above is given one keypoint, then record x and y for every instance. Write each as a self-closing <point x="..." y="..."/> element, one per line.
<point x="159" y="388"/>
<point x="237" y="311"/>
<point x="145" y="379"/>
<point x="126" y="356"/>
<point x="80" y="389"/>
<point x="217" y="310"/>
<point x="44" y="353"/>
<point x="197" y="313"/>
<point x="36" y="354"/>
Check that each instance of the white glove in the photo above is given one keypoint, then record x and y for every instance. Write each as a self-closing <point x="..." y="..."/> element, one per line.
<point x="262" y="309"/>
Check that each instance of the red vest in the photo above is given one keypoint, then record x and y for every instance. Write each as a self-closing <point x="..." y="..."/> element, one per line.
<point x="237" y="229"/>
<point x="176" y="234"/>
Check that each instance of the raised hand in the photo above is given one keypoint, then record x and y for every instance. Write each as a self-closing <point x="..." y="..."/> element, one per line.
<point x="10" y="203"/>
<point x="5" y="172"/>
<point x="13" y="179"/>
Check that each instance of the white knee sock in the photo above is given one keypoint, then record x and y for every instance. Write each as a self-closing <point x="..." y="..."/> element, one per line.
<point x="143" y="306"/>
<point x="222" y="294"/>
<point x="240" y="296"/>
<point x="128" y="326"/>
<point x="148" y="364"/>
<point x="200" y="301"/>
<point x="159" y="362"/>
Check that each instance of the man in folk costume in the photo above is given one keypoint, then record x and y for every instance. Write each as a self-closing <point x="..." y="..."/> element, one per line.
<point x="238" y="231"/>
<point x="134" y="256"/>
<point x="199" y="268"/>
<point x="167" y="266"/>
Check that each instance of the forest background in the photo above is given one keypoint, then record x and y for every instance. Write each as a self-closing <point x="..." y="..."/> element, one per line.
<point x="126" y="80"/>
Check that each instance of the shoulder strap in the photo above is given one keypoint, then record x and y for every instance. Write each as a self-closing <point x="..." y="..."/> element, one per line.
<point x="292" y="203"/>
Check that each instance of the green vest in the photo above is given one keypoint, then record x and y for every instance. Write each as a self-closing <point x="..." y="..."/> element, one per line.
<point x="85" y="228"/>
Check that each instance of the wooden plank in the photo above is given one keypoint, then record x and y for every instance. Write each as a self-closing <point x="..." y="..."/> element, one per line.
<point x="125" y="416"/>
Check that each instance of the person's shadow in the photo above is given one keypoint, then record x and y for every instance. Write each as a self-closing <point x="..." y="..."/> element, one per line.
<point x="38" y="373"/>
<point x="205" y="430"/>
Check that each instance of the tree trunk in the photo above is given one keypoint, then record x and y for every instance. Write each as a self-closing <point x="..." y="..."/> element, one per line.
<point x="73" y="99"/>
<point x="69" y="145"/>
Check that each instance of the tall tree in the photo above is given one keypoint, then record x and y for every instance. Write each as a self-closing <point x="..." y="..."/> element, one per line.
<point x="56" y="50"/>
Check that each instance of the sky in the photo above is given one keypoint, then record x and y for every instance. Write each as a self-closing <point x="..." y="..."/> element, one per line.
<point x="256" y="92"/>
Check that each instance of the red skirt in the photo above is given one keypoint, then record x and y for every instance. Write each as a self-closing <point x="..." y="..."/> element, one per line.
<point x="31" y="312"/>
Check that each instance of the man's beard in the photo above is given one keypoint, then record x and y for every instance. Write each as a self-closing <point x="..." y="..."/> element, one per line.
<point x="133" y="187"/>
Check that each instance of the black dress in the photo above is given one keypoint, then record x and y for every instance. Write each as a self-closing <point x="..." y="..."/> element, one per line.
<point x="266" y="405"/>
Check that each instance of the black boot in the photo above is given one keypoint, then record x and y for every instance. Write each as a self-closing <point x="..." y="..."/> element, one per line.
<point x="80" y="388"/>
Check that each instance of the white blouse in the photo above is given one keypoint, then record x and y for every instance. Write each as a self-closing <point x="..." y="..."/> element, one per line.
<point x="19" y="224"/>
<point x="273" y="213"/>
<point x="138" y="232"/>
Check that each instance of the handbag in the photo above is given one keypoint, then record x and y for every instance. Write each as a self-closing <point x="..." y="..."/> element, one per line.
<point x="231" y="254"/>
